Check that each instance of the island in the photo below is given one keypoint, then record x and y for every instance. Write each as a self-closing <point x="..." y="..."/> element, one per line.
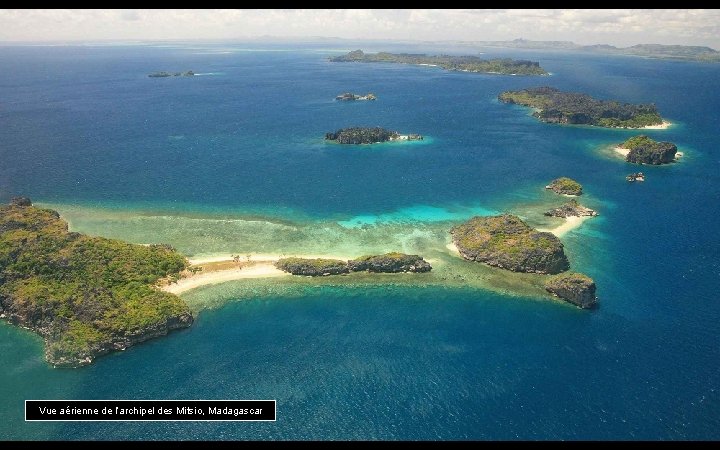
<point x="188" y="73"/>
<point x="349" y="96"/>
<point x="571" y="209"/>
<point x="475" y="64"/>
<point x="507" y="242"/>
<point x="86" y="296"/>
<point x="645" y="150"/>
<point x="555" y="106"/>
<point x="576" y="288"/>
<point x="360" y="135"/>
<point x="565" y="186"/>
<point x="393" y="262"/>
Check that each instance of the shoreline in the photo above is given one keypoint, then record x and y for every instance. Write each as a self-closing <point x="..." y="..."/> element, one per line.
<point x="570" y="224"/>
<point x="663" y="126"/>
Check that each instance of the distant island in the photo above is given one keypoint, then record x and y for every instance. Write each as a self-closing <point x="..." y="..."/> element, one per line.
<point x="645" y="150"/>
<point x="86" y="296"/>
<point x="388" y="263"/>
<point x="456" y="63"/>
<point x="188" y="73"/>
<point x="507" y="242"/>
<point x="349" y="96"/>
<point x="360" y="135"/>
<point x="555" y="106"/>
<point x="660" y="51"/>
<point x="565" y="185"/>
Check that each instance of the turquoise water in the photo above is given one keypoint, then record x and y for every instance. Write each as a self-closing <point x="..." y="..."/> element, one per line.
<point x="234" y="161"/>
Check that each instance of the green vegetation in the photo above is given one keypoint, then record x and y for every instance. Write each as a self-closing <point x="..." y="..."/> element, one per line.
<point x="555" y="106"/>
<point x="462" y="63"/>
<point x="507" y="242"/>
<point x="389" y="263"/>
<point x="565" y="185"/>
<point x="644" y="150"/>
<point x="575" y="288"/>
<point x="360" y="135"/>
<point x="85" y="295"/>
<point x="312" y="267"/>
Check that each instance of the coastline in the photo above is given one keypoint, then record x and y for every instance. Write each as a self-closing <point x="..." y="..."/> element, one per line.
<point x="570" y="224"/>
<point x="663" y="126"/>
<point x="622" y="151"/>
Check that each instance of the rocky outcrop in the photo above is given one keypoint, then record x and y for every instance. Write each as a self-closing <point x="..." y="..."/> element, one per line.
<point x="349" y="96"/>
<point x="644" y="150"/>
<point x="575" y="288"/>
<point x="188" y="73"/>
<point x="312" y="267"/>
<point x="571" y="208"/>
<point x="20" y="201"/>
<point x="565" y="185"/>
<point x="390" y="263"/>
<point x="507" y="242"/>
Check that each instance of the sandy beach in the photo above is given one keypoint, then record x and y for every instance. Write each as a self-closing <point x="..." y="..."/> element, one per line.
<point x="221" y="268"/>
<point x="663" y="126"/>
<point x="571" y="223"/>
<point x="622" y="151"/>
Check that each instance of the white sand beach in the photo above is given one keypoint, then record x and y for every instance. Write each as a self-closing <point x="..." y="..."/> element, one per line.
<point x="622" y="151"/>
<point x="571" y="223"/>
<point x="664" y="126"/>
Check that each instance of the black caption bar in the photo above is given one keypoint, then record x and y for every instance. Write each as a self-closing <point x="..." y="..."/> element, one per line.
<point x="149" y="410"/>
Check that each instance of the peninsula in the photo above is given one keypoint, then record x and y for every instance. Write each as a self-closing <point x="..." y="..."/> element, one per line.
<point x="86" y="296"/>
<point x="360" y="135"/>
<point x="456" y="63"/>
<point x="555" y="106"/>
<point x="645" y="150"/>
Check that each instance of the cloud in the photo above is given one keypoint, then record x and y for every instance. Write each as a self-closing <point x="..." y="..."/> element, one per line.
<point x="584" y="26"/>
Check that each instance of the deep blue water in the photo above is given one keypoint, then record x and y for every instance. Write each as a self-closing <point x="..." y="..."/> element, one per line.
<point x="85" y="125"/>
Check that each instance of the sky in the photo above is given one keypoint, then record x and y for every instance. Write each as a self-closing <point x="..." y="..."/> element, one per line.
<point x="620" y="27"/>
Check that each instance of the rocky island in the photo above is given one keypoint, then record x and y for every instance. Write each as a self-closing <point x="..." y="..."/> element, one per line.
<point x="359" y="135"/>
<point x="86" y="296"/>
<point x="555" y="106"/>
<point x="571" y="209"/>
<point x="458" y="63"/>
<point x="393" y="262"/>
<point x="349" y="96"/>
<point x="644" y="150"/>
<point x="565" y="186"/>
<point x="507" y="242"/>
<point x="188" y="73"/>
<point x="576" y="288"/>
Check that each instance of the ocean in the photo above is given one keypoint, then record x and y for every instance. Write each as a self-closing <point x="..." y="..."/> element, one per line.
<point x="233" y="161"/>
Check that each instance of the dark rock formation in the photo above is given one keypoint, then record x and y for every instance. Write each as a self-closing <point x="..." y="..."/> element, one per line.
<point x="507" y="242"/>
<point x="565" y="185"/>
<point x="20" y="201"/>
<point x="390" y="263"/>
<point x="571" y="208"/>
<point x="312" y="267"/>
<point x="575" y="288"/>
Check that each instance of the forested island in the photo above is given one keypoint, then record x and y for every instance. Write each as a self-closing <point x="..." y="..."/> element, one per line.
<point x="393" y="262"/>
<point x="507" y="242"/>
<point x="565" y="185"/>
<point x="504" y="66"/>
<point x="86" y="296"/>
<point x="645" y="150"/>
<point x="366" y="135"/>
<point x="571" y="209"/>
<point x="188" y="73"/>
<point x="555" y="106"/>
